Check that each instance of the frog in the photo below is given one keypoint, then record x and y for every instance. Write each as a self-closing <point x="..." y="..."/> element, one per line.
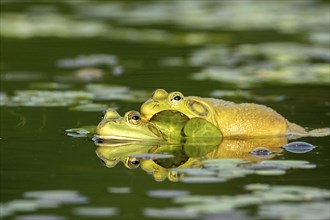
<point x="130" y="127"/>
<point x="234" y="120"/>
<point x="168" y="125"/>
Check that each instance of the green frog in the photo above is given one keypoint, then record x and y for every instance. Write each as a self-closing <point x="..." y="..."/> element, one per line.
<point x="170" y="126"/>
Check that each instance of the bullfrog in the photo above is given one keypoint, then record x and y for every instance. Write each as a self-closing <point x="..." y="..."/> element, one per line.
<point x="129" y="127"/>
<point x="168" y="125"/>
<point x="243" y="120"/>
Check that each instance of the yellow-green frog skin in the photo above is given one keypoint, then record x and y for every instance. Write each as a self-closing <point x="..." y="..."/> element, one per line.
<point x="244" y="120"/>
<point x="129" y="127"/>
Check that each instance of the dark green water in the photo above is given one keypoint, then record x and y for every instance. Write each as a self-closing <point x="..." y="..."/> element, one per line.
<point x="36" y="153"/>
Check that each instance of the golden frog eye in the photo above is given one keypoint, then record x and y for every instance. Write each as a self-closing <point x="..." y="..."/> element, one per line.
<point x="134" y="118"/>
<point x="132" y="163"/>
<point x="175" y="98"/>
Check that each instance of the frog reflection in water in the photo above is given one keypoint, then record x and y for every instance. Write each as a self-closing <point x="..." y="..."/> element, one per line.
<point x="185" y="155"/>
<point x="244" y="120"/>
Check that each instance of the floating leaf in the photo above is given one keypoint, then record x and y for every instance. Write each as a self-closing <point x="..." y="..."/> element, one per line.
<point x="298" y="147"/>
<point x="257" y="186"/>
<point x="169" y="213"/>
<point x="248" y="76"/>
<point x="58" y="196"/>
<point x="301" y="211"/>
<point x="88" y="61"/>
<point x="50" y="85"/>
<point x="90" y="107"/>
<point x="95" y="211"/>
<point x="40" y="217"/>
<point x="119" y="190"/>
<point x="21" y="76"/>
<point x="167" y="193"/>
<point x="261" y="151"/>
<point x="270" y="172"/>
<point x="85" y="131"/>
<point x="35" y="98"/>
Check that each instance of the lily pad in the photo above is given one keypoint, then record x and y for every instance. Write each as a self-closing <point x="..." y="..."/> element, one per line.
<point x="119" y="190"/>
<point x="298" y="147"/>
<point x="301" y="211"/>
<point x="58" y="196"/>
<point x="167" y="193"/>
<point x="88" y="61"/>
<point x="85" y="131"/>
<point x="40" y="217"/>
<point x="95" y="211"/>
<point x="170" y="213"/>
<point x="50" y="85"/>
<point x="91" y="107"/>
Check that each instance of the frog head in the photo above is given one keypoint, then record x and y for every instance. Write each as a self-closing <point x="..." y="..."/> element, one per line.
<point x="128" y="127"/>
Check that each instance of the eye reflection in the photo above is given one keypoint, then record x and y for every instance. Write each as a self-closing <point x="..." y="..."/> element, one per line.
<point x="133" y="163"/>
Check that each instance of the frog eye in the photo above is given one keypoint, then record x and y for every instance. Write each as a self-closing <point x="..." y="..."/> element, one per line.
<point x="103" y="114"/>
<point x="134" y="118"/>
<point x="175" y="98"/>
<point x="103" y="162"/>
<point x="132" y="163"/>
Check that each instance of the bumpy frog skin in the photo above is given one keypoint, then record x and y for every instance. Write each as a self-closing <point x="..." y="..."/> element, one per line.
<point x="129" y="127"/>
<point x="244" y="120"/>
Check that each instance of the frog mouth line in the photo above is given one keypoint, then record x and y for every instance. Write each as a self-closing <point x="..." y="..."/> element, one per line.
<point x="120" y="138"/>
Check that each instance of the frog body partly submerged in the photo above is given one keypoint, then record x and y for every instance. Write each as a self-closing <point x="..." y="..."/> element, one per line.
<point x="244" y="120"/>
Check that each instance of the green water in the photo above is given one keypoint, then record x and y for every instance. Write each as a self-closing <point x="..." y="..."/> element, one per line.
<point x="37" y="154"/>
